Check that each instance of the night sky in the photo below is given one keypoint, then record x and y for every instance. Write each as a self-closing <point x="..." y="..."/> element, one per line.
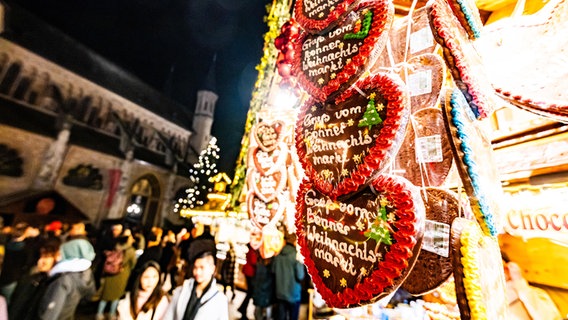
<point x="170" y="44"/>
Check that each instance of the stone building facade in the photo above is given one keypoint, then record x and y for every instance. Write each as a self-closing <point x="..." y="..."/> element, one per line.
<point x="66" y="136"/>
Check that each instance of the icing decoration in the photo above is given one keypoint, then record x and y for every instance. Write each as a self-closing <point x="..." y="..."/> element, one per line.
<point x="327" y="63"/>
<point x="269" y="186"/>
<point x="530" y="74"/>
<point x="472" y="147"/>
<point x="468" y="15"/>
<point x="434" y="264"/>
<point x="266" y="163"/>
<point x="339" y="156"/>
<point x="316" y="15"/>
<point x="462" y="59"/>
<point x="267" y="135"/>
<point x="265" y="213"/>
<point x="367" y="243"/>
<point x="479" y="276"/>
<point x="428" y="163"/>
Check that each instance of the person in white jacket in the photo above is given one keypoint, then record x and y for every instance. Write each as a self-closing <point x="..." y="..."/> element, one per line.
<point x="198" y="298"/>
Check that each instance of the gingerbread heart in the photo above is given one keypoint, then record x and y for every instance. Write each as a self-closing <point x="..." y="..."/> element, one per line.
<point x="264" y="213"/>
<point x="530" y="74"/>
<point x="268" y="162"/>
<point x="424" y="75"/>
<point x="330" y="62"/>
<point x="425" y="157"/>
<point x="478" y="272"/>
<point x="474" y="160"/>
<point x="267" y="135"/>
<point x="272" y="242"/>
<point x="267" y="187"/>
<point x="341" y="146"/>
<point x="360" y="250"/>
<point x="316" y="16"/>
<point x="462" y="59"/>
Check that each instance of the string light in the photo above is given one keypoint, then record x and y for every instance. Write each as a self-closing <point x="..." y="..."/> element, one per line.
<point x="199" y="175"/>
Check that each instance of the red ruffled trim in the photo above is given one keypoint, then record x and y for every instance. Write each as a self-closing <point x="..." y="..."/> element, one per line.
<point x="443" y="25"/>
<point x="397" y="100"/>
<point x="382" y="11"/>
<point x="315" y="26"/>
<point x="395" y="260"/>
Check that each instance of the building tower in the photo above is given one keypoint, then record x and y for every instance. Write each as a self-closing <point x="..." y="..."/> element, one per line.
<point x="203" y="115"/>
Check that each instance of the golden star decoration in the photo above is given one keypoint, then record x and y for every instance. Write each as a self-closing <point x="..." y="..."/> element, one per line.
<point x="360" y="225"/>
<point x="391" y="217"/>
<point x="350" y="122"/>
<point x="341" y="45"/>
<point x="314" y="108"/>
<point x="380" y="107"/>
<point x="357" y="158"/>
<point x="348" y="60"/>
<point x="345" y="172"/>
<point x="326" y="273"/>
<point x="321" y="81"/>
<point x="384" y="202"/>
<point x="372" y="95"/>
<point x="332" y="76"/>
<point x="320" y="15"/>
<point x="363" y="271"/>
<point x="343" y="282"/>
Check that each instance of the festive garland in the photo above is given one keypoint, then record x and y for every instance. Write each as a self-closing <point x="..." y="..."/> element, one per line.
<point x="278" y="14"/>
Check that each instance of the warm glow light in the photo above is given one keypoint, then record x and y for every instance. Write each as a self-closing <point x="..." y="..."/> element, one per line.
<point x="284" y="99"/>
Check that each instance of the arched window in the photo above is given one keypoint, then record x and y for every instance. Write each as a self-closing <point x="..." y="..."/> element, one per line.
<point x="144" y="203"/>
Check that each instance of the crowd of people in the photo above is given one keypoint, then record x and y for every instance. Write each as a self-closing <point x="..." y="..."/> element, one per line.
<point x="131" y="273"/>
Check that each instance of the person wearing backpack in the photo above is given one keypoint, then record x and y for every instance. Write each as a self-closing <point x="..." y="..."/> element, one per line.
<point x="116" y="271"/>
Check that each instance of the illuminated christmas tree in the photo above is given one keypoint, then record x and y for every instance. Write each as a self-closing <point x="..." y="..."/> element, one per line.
<point x="200" y="174"/>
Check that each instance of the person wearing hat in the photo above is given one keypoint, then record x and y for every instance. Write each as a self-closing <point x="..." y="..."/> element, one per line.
<point x="71" y="280"/>
<point x="198" y="297"/>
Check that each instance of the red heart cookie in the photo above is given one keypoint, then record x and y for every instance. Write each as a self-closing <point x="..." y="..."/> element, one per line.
<point x="264" y="213"/>
<point x="342" y="146"/>
<point x="267" y="135"/>
<point x="316" y="16"/>
<point x="268" y="162"/>
<point x="267" y="187"/>
<point x="360" y="250"/>
<point x="327" y="63"/>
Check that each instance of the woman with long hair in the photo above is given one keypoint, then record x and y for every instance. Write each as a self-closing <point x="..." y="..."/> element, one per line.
<point x="146" y="300"/>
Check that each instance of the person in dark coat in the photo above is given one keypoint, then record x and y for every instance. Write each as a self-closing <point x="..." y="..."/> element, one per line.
<point x="71" y="280"/>
<point x="289" y="273"/>
<point x="249" y="270"/>
<point x="152" y="253"/>
<point x="31" y="287"/>
<point x="18" y="259"/>
<point x="263" y="293"/>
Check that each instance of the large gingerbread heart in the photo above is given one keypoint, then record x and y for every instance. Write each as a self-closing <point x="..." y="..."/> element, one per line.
<point x="267" y="187"/>
<point x="316" y="15"/>
<point x="462" y="59"/>
<point x="327" y="63"/>
<point x="267" y="135"/>
<point x="269" y="162"/>
<point x="474" y="160"/>
<point x="525" y="59"/>
<point x="359" y="250"/>
<point x="341" y="146"/>
<point x="478" y="272"/>
<point x="264" y="213"/>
